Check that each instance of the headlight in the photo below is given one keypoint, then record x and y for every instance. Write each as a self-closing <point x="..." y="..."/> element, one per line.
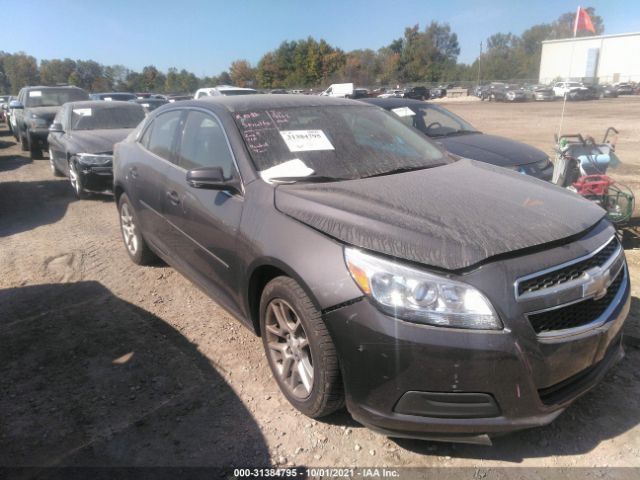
<point x="542" y="164"/>
<point x="417" y="296"/>
<point x="94" y="160"/>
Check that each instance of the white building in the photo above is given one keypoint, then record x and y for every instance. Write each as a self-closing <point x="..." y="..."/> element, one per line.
<point x="605" y="58"/>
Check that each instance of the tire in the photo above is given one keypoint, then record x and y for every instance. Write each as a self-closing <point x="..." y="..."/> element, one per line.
<point x="52" y="166"/>
<point x="301" y="341"/>
<point x="75" y="179"/>
<point x="24" y="143"/>
<point x="35" y="152"/>
<point x="134" y="243"/>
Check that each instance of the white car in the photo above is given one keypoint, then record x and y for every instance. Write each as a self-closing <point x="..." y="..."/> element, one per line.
<point x="223" y="90"/>
<point x="560" y="89"/>
<point x="392" y="94"/>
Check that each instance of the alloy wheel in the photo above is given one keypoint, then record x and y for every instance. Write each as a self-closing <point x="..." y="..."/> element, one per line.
<point x="128" y="229"/>
<point x="289" y="348"/>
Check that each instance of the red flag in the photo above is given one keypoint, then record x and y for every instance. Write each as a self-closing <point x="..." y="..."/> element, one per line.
<point x="583" y="22"/>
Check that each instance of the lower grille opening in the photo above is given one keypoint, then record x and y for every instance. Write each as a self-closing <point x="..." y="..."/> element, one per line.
<point x="572" y="386"/>
<point x="576" y="314"/>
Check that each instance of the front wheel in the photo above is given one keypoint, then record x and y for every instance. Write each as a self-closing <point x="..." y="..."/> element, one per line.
<point x="24" y="143"/>
<point x="52" y="166"/>
<point x="35" y="152"/>
<point x="299" y="349"/>
<point x="76" y="181"/>
<point x="138" y="250"/>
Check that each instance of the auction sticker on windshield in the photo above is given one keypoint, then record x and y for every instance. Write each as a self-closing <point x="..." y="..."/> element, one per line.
<point x="306" y="140"/>
<point x="35" y="93"/>
<point x="403" y="112"/>
<point x="83" y="112"/>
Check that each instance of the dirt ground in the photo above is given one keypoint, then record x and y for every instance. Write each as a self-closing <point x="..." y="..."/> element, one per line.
<point x="106" y="363"/>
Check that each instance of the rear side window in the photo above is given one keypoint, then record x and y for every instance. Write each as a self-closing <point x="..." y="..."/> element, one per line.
<point x="204" y="144"/>
<point x="163" y="131"/>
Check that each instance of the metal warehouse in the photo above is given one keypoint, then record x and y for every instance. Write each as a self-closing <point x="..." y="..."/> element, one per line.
<point x="605" y="58"/>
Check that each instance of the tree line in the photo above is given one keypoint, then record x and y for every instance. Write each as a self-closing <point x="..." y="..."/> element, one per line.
<point x="427" y="55"/>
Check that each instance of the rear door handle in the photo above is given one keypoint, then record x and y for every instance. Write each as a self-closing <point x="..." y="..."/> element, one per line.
<point x="173" y="197"/>
<point x="133" y="171"/>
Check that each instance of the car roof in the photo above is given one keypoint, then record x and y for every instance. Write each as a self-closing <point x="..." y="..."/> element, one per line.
<point x="57" y="87"/>
<point x="242" y="103"/>
<point x="101" y="104"/>
<point x="389" y="103"/>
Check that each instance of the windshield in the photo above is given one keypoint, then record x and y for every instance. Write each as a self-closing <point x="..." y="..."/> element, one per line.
<point x="334" y="142"/>
<point x="99" y="118"/>
<point x="433" y="121"/>
<point x="54" y="97"/>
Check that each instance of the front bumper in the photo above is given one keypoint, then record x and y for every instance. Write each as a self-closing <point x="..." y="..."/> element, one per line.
<point x="529" y="381"/>
<point x="96" y="179"/>
<point x="39" y="137"/>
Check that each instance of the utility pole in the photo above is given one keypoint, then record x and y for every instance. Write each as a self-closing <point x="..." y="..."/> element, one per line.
<point x="479" y="61"/>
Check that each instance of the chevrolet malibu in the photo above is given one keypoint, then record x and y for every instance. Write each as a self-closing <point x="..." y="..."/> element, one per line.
<point x="440" y="299"/>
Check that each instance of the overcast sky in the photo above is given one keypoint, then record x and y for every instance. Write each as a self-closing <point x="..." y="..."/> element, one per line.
<point x="206" y="36"/>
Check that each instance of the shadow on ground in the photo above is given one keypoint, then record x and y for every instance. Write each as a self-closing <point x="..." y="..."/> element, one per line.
<point x="88" y="379"/>
<point x="609" y="410"/>
<point x="27" y="205"/>
<point x="11" y="162"/>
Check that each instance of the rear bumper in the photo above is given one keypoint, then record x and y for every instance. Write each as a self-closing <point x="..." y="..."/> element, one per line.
<point x="385" y="361"/>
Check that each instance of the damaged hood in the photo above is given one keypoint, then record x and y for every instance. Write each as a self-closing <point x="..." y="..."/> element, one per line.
<point x="492" y="149"/>
<point x="97" y="141"/>
<point x="449" y="217"/>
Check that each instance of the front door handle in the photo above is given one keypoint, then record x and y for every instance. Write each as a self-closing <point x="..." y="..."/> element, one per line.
<point x="173" y="197"/>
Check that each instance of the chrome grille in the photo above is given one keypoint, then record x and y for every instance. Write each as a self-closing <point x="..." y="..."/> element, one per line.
<point x="576" y="314"/>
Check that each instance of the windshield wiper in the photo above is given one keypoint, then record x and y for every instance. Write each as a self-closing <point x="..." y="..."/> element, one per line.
<point x="456" y="132"/>
<point x="308" y="178"/>
<point x="404" y="170"/>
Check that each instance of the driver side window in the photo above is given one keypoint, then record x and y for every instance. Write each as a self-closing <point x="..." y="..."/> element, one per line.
<point x="204" y="144"/>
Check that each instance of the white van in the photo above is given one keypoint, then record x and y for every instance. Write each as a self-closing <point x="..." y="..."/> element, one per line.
<point x="223" y="90"/>
<point x="342" y="90"/>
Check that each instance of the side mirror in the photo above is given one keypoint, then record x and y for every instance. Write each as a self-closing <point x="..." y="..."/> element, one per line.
<point x="16" y="104"/>
<point x="56" y="128"/>
<point x="212" y="178"/>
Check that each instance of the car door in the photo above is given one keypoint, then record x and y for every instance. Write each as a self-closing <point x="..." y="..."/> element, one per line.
<point x="207" y="220"/>
<point x="147" y="175"/>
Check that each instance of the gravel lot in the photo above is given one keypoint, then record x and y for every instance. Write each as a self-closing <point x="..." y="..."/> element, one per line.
<point x="106" y="363"/>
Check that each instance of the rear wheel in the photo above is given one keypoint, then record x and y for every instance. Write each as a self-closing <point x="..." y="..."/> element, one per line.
<point x="299" y="349"/>
<point x="138" y="250"/>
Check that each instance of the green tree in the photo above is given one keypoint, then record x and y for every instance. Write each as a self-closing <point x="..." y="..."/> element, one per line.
<point x="20" y="70"/>
<point x="56" y="71"/>
<point x="242" y="74"/>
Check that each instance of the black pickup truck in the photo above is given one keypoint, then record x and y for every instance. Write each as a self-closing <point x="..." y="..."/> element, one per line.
<point x="34" y="112"/>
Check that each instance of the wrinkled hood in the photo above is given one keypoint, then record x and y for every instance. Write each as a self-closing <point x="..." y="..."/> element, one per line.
<point x="492" y="149"/>
<point x="97" y="141"/>
<point x="45" y="112"/>
<point x="449" y="217"/>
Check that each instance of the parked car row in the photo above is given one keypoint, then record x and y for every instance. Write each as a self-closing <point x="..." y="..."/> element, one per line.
<point x="497" y="91"/>
<point x="419" y="256"/>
